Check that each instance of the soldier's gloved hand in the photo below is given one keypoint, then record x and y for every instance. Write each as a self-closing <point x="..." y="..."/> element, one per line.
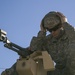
<point x="23" y="53"/>
<point x="42" y="27"/>
<point x="42" y="32"/>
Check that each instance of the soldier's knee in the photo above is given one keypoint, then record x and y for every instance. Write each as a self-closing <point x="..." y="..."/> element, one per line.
<point x="3" y="73"/>
<point x="6" y="72"/>
<point x="10" y="71"/>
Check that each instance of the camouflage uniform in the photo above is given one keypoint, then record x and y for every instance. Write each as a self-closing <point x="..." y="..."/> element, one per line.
<point x="10" y="71"/>
<point x="61" y="49"/>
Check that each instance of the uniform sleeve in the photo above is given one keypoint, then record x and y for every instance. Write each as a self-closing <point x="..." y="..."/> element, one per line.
<point x="71" y="59"/>
<point x="41" y="34"/>
<point x="37" y="43"/>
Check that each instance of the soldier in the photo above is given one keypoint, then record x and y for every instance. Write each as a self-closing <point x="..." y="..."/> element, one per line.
<point x="59" y="44"/>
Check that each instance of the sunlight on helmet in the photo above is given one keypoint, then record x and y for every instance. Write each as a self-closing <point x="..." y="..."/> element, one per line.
<point x="66" y="19"/>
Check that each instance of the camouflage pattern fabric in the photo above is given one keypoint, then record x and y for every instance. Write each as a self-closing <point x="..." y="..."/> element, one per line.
<point x="71" y="59"/>
<point x="10" y="71"/>
<point x="51" y="21"/>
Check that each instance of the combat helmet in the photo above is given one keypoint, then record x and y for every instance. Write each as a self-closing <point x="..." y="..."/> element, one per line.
<point x="53" y="19"/>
